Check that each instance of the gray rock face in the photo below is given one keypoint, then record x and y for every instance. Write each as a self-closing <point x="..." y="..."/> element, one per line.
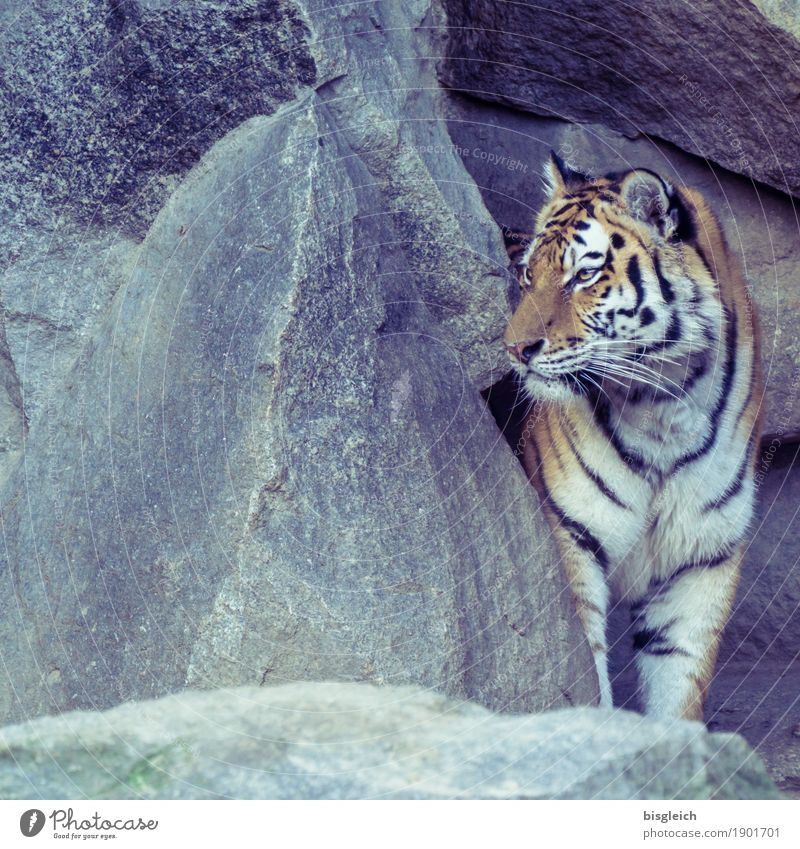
<point x="765" y="620"/>
<point x="12" y="416"/>
<point x="53" y="300"/>
<point x="104" y="108"/>
<point x="263" y="456"/>
<point x="350" y="741"/>
<point x="105" y="105"/>
<point x="720" y="80"/>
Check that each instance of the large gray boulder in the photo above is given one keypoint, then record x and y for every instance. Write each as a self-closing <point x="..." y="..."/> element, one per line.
<point x="104" y="106"/>
<point x="718" y="79"/>
<point x="766" y="618"/>
<point x="263" y="456"/>
<point x="351" y="741"/>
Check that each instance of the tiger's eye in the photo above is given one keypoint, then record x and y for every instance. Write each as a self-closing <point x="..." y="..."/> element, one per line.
<point x="586" y="274"/>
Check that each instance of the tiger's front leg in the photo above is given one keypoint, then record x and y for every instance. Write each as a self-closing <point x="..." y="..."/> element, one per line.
<point x="588" y="584"/>
<point x="677" y="632"/>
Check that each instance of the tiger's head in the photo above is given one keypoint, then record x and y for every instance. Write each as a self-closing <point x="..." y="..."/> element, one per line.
<point x="610" y="281"/>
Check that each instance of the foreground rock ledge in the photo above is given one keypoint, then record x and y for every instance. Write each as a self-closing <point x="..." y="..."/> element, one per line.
<point x="349" y="741"/>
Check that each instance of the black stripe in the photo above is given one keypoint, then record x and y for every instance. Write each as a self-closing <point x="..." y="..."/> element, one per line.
<point x="582" y="225"/>
<point x="698" y="370"/>
<point x="722" y="401"/>
<point x="580" y="533"/>
<point x="674" y="331"/>
<point x="709" y="335"/>
<point x="635" y="276"/>
<point x="659" y="651"/>
<point x="746" y="402"/>
<point x="648" y="393"/>
<point x="617" y="241"/>
<point x="656" y="642"/>
<point x="731" y="492"/>
<point x="583" y="537"/>
<point x="706" y="563"/>
<point x="705" y="261"/>
<point x="667" y="292"/>
<point x="592" y="255"/>
<point x="593" y="476"/>
<point x="671" y="337"/>
<point x="735" y="486"/>
<point x="579" y="239"/>
<point x="749" y="396"/>
<point x="602" y="415"/>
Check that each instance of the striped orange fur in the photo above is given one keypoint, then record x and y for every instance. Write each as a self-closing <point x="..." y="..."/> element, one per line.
<point x="636" y="337"/>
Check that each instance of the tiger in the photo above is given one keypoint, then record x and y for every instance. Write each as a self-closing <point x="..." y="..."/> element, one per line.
<point x="635" y="340"/>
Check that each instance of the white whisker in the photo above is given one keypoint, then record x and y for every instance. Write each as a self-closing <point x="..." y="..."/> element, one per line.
<point x="636" y="371"/>
<point x="639" y="367"/>
<point x="609" y="369"/>
<point x="602" y="344"/>
<point x="591" y="380"/>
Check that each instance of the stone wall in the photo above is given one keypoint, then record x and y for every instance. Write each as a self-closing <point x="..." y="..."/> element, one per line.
<point x="253" y="445"/>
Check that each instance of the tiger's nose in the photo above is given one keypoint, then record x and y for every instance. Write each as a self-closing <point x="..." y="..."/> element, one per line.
<point x="525" y="351"/>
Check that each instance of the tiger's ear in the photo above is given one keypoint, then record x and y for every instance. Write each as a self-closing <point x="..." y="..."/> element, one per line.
<point x="559" y="177"/>
<point x="649" y="199"/>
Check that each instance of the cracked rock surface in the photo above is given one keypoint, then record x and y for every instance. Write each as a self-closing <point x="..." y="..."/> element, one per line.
<point x="254" y="445"/>
<point x="358" y="741"/>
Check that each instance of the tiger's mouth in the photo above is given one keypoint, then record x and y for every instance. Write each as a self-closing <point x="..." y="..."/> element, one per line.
<point x="601" y="367"/>
<point x="556" y="386"/>
<point x="621" y="374"/>
<point x="577" y="370"/>
<point x="594" y="361"/>
<point x="587" y="374"/>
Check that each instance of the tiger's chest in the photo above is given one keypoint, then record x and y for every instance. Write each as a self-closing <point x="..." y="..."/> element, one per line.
<point x="630" y="485"/>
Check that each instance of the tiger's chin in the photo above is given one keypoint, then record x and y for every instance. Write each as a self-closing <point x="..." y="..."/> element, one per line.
<point x="539" y="388"/>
